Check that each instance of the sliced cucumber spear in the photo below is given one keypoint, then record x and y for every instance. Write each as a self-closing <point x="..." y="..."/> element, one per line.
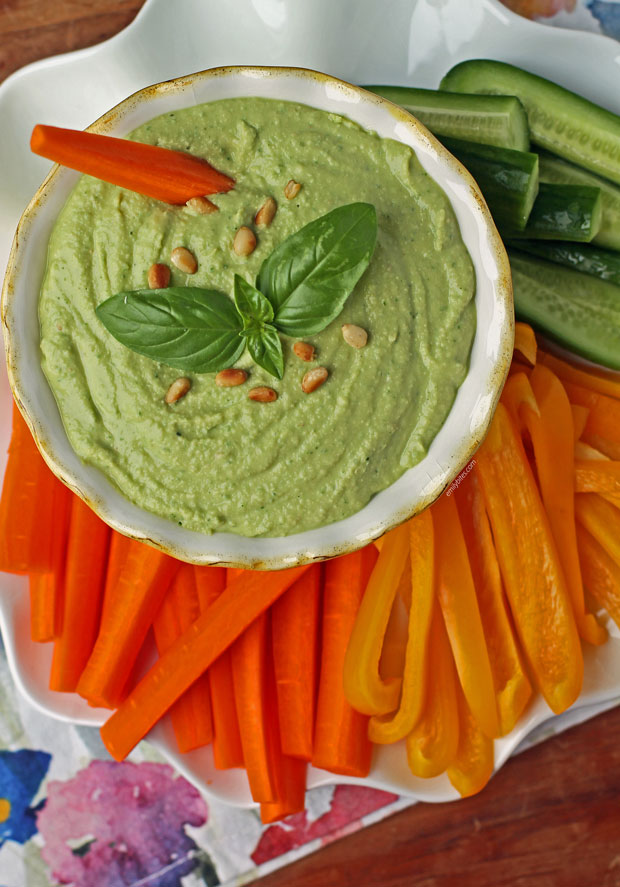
<point x="559" y="120"/>
<point x="562" y="212"/>
<point x="508" y="179"/>
<point x="578" y="311"/>
<point x="489" y="120"/>
<point x="602" y="263"/>
<point x="556" y="171"/>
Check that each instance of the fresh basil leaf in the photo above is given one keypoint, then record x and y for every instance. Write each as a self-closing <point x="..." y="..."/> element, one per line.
<point x="266" y="349"/>
<point x="310" y="275"/>
<point x="251" y="304"/>
<point x="188" y="328"/>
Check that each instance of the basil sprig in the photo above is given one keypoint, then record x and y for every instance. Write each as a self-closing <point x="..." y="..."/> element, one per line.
<point x="301" y="287"/>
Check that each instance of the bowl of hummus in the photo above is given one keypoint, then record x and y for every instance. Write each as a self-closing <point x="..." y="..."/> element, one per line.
<point x="313" y="438"/>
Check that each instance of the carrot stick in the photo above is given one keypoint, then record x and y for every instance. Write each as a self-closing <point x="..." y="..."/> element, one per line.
<point x="525" y="342"/>
<point x="89" y="541"/>
<point x="532" y="575"/>
<point x="364" y="687"/>
<point x="171" y="176"/>
<point x="214" y="631"/>
<point x="594" y="378"/>
<point x="249" y="667"/>
<point x="26" y="506"/>
<point x="119" y="549"/>
<point x="341" y="742"/>
<point x="191" y="713"/>
<point x="457" y="598"/>
<point x="210" y="583"/>
<point x="432" y="744"/>
<point x="512" y="687"/>
<point x="294" y="621"/>
<point x="601" y="574"/>
<point x="144" y="580"/>
<point x="391" y="728"/>
<point x="47" y="589"/>
<point x="473" y="765"/>
<point x="227" y="749"/>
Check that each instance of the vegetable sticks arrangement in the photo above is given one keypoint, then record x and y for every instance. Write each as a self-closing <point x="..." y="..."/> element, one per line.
<point x="438" y="639"/>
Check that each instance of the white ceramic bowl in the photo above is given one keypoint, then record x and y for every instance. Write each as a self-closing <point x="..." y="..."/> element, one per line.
<point x="418" y="487"/>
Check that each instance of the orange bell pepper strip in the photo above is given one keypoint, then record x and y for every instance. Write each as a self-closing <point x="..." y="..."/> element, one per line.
<point x="473" y="765"/>
<point x="601" y="574"/>
<point x="552" y="438"/>
<point x="596" y="379"/>
<point x="580" y="419"/>
<point x="518" y="391"/>
<point x="512" y="687"/>
<point x="432" y="744"/>
<point x="604" y="416"/>
<point x="457" y="598"/>
<point x="364" y="688"/>
<point x="391" y="728"/>
<point x="602" y="520"/>
<point x="525" y="342"/>
<point x="533" y="578"/>
<point x="597" y="476"/>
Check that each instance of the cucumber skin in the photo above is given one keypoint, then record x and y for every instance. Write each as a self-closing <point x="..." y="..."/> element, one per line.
<point x="486" y="120"/>
<point x="562" y="212"/>
<point x="578" y="311"/>
<point x="555" y="171"/>
<point x="508" y="179"/>
<point x="583" y="257"/>
<point x="557" y="117"/>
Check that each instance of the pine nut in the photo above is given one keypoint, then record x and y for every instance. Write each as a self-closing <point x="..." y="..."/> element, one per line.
<point x="266" y="213"/>
<point x="291" y="189"/>
<point x="262" y="394"/>
<point x="230" y="378"/>
<point x="158" y="276"/>
<point x="314" y="379"/>
<point x="354" y="335"/>
<point x="304" y="351"/>
<point x="184" y="260"/>
<point x="201" y="205"/>
<point x="245" y="241"/>
<point x="177" y="390"/>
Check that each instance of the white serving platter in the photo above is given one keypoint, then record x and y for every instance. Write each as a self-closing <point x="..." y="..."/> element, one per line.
<point x="405" y="42"/>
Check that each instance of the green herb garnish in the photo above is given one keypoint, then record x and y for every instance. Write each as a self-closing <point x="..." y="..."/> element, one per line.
<point x="301" y="287"/>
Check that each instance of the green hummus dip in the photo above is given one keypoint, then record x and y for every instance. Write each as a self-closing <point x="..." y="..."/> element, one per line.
<point x="216" y="460"/>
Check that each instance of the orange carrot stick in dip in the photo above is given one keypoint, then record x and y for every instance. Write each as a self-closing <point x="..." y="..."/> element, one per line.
<point x="26" y="506"/>
<point x="89" y="541"/>
<point x="191" y="713"/>
<point x="171" y="176"/>
<point x="459" y="605"/>
<point x="341" y="742"/>
<point x="294" y="619"/>
<point x="214" y="631"/>
<point x="143" y="582"/>
<point x="532" y="575"/>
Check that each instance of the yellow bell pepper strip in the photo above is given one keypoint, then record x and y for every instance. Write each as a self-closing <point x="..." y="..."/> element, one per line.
<point x="552" y="435"/>
<point x="533" y="579"/>
<point x="457" y="598"/>
<point x="580" y="419"/>
<point x="392" y="662"/>
<point x="432" y="744"/>
<point x="601" y="574"/>
<point x="602" y="520"/>
<point x="391" y="728"/>
<point x="525" y="342"/>
<point x="473" y="765"/>
<point x="596" y="379"/>
<point x="512" y="686"/>
<point x="363" y="686"/>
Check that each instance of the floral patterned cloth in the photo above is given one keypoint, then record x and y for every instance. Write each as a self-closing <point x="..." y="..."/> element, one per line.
<point x="71" y="815"/>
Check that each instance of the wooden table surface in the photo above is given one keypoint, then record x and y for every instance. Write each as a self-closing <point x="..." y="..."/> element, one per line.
<point x="550" y="818"/>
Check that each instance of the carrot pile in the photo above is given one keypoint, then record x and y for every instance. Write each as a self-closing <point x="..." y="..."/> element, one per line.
<point x="438" y="635"/>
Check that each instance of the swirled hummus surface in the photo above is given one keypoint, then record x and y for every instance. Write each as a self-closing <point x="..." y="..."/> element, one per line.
<point x="216" y="460"/>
